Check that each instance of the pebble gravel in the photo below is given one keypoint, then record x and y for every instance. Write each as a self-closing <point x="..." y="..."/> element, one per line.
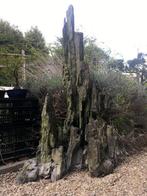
<point x="128" y="179"/>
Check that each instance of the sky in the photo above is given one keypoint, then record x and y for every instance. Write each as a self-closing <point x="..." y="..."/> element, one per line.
<point x="118" y="25"/>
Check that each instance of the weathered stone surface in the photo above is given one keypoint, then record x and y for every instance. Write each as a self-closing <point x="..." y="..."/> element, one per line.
<point x="45" y="133"/>
<point x="28" y="173"/>
<point x="101" y="147"/>
<point x="45" y="170"/>
<point x="32" y="175"/>
<point x="77" y="159"/>
<point x="32" y="171"/>
<point x="112" y="142"/>
<point x="59" y="163"/>
<point x="75" y="135"/>
<point x="86" y="139"/>
<point x="77" y="84"/>
<point x="94" y="131"/>
<point x="49" y="130"/>
<point x="107" y="167"/>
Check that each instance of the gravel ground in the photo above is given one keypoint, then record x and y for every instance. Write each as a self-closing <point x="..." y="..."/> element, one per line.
<point x="129" y="179"/>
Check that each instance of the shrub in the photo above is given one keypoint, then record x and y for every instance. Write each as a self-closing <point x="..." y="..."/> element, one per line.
<point x="124" y="92"/>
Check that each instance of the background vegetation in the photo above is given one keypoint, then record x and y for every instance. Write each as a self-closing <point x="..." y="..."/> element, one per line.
<point x="44" y="72"/>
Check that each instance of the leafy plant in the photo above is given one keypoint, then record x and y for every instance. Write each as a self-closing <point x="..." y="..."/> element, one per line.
<point x="11" y="72"/>
<point x="123" y="91"/>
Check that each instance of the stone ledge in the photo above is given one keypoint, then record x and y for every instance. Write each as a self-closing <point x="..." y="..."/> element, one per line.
<point x="14" y="167"/>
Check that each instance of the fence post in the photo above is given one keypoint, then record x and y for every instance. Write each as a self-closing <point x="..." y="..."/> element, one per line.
<point x="23" y="66"/>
